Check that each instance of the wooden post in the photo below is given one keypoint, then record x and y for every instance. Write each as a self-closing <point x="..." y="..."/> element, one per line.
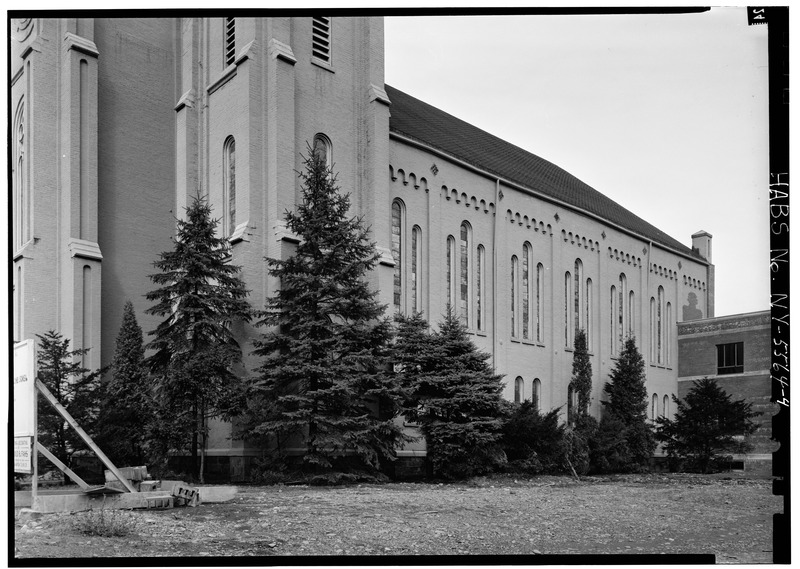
<point x="86" y="438"/>
<point x="34" y="451"/>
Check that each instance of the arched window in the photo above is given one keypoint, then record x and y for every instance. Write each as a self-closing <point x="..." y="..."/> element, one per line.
<point x="451" y="270"/>
<point x="519" y="389"/>
<point x="229" y="186"/>
<point x="654" y="409"/>
<point x="397" y="254"/>
<point x="652" y="330"/>
<point x="578" y="313"/>
<point x="568" y="303"/>
<point x="21" y="198"/>
<point x="526" y="291"/>
<point x="623" y="285"/>
<point x="322" y="149"/>
<point x="536" y="393"/>
<point x="416" y="265"/>
<point x="514" y="271"/>
<point x="614" y="321"/>
<point x="588" y="314"/>
<point x="660" y="326"/>
<point x="480" y="287"/>
<point x="539" y="301"/>
<point x="631" y="313"/>
<point x="665" y="409"/>
<point x="464" y="284"/>
<point x="668" y="335"/>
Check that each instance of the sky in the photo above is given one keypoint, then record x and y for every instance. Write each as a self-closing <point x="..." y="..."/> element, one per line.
<point x="665" y="114"/>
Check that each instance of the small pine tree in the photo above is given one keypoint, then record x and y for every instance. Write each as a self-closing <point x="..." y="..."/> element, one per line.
<point x="581" y="383"/>
<point x="627" y="407"/>
<point x="533" y="442"/>
<point x="74" y="387"/>
<point x="454" y="395"/>
<point x="194" y="350"/>
<point x="126" y="406"/>
<point x="707" y="422"/>
<point x="325" y="358"/>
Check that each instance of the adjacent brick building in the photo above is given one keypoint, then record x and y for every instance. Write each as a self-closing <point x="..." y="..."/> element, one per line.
<point x="118" y="122"/>
<point x="735" y="351"/>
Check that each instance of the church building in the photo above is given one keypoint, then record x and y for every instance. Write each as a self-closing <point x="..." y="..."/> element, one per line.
<point x="117" y="122"/>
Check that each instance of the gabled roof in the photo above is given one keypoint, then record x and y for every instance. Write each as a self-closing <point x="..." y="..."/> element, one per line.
<point x="420" y="121"/>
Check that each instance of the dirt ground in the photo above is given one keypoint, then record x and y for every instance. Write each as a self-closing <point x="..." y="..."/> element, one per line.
<point x="641" y="514"/>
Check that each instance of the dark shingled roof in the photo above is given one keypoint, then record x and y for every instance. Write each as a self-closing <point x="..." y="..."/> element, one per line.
<point x="425" y="123"/>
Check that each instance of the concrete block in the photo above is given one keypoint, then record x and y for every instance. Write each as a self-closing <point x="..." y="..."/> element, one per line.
<point x="27" y="514"/>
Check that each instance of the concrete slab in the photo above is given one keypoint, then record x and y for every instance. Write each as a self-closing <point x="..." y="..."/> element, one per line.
<point x="52" y="503"/>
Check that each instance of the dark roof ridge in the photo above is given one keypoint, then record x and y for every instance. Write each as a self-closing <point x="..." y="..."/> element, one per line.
<point x="427" y="124"/>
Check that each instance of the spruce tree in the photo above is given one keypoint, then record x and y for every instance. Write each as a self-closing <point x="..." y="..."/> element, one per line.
<point x="454" y="395"/>
<point x="126" y="406"/>
<point x="707" y="422"/>
<point x="325" y="363"/>
<point x="74" y="387"/>
<point x="194" y="350"/>
<point x="626" y="412"/>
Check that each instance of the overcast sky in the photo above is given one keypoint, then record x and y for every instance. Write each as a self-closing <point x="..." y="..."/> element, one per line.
<point x="665" y="114"/>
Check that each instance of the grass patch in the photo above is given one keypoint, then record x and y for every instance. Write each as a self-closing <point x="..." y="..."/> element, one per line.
<point x="103" y="523"/>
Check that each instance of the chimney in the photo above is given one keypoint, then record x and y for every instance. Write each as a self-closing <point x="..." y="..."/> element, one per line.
<point x="701" y="243"/>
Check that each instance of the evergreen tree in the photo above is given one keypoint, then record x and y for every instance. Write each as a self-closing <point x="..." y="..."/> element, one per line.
<point x="581" y="375"/>
<point x="707" y="422"/>
<point x="454" y="395"/>
<point x="533" y="442"/>
<point x="126" y="407"/>
<point x="194" y="349"/>
<point x="74" y="387"/>
<point x="325" y="360"/>
<point x="626" y="411"/>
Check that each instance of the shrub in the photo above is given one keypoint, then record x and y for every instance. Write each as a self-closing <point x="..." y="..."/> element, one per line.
<point x="533" y="442"/>
<point x="103" y="523"/>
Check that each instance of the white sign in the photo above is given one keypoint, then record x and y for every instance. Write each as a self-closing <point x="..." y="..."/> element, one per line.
<point x="24" y="388"/>
<point x="23" y="457"/>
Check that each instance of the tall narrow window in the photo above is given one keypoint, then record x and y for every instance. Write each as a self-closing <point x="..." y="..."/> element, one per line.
<point x="568" y="301"/>
<point x="18" y="296"/>
<point x="613" y="312"/>
<point x="654" y="409"/>
<point x="577" y="289"/>
<point x="623" y="285"/>
<point x="536" y="393"/>
<point x="321" y="38"/>
<point x="463" y="287"/>
<point x="397" y="254"/>
<point x="19" y="182"/>
<point x="652" y="330"/>
<point x="518" y="390"/>
<point x="229" y="186"/>
<point x="230" y="41"/>
<point x="450" y="270"/>
<point x="660" y="326"/>
<point x="514" y="270"/>
<point x="588" y="314"/>
<point x="539" y="301"/>
<point x="526" y="291"/>
<point x="416" y="265"/>
<point x="665" y="408"/>
<point x="668" y="335"/>
<point x="631" y="313"/>
<point x="480" y="286"/>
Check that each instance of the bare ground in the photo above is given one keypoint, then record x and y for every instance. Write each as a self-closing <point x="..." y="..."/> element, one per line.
<point x="642" y="514"/>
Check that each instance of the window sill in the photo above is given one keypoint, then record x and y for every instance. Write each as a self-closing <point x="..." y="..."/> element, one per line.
<point x="323" y="64"/>
<point x="516" y="340"/>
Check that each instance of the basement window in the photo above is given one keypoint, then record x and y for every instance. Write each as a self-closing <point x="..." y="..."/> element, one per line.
<point x="321" y="39"/>
<point x="730" y="358"/>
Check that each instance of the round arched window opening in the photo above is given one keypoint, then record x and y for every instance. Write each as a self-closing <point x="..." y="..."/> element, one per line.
<point x="322" y="149"/>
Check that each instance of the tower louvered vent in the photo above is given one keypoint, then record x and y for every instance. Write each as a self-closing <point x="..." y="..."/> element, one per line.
<point x="230" y="40"/>
<point x="321" y="39"/>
